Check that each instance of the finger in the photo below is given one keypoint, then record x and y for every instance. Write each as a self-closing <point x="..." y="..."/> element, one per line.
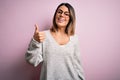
<point x="36" y="28"/>
<point x="40" y="39"/>
<point x="42" y="33"/>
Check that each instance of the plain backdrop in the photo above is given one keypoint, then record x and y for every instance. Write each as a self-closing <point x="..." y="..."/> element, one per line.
<point x="98" y="27"/>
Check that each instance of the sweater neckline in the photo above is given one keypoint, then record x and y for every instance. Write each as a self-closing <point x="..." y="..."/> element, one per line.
<point x="57" y="42"/>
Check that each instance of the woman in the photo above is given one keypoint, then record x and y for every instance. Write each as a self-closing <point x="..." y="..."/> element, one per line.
<point x="57" y="48"/>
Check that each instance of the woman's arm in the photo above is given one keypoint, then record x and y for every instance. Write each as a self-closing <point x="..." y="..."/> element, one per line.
<point x="35" y="49"/>
<point x="77" y="56"/>
<point x="34" y="53"/>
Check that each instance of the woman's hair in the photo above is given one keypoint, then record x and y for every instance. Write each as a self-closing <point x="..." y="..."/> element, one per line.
<point x="70" y="28"/>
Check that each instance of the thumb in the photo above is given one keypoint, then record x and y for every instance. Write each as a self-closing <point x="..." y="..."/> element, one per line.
<point x="36" y="28"/>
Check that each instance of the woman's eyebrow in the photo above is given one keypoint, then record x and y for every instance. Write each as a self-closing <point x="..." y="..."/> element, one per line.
<point x="63" y="11"/>
<point x="59" y="10"/>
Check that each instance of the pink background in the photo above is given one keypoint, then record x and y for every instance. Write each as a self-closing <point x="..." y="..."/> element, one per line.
<point x="98" y="27"/>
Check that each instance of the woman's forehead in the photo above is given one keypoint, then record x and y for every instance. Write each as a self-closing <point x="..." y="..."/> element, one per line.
<point x="63" y="8"/>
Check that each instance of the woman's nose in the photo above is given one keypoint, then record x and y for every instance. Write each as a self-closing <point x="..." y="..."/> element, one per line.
<point x="62" y="14"/>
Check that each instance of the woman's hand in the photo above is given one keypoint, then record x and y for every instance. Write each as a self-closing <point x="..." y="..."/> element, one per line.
<point x="38" y="35"/>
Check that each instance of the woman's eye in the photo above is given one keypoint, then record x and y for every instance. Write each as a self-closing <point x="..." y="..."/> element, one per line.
<point x="59" y="12"/>
<point x="66" y="14"/>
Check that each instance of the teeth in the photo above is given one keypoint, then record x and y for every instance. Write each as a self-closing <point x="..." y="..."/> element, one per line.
<point x="61" y="19"/>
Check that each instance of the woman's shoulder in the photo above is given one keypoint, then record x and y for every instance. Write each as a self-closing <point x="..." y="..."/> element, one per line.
<point x="74" y="37"/>
<point x="47" y="33"/>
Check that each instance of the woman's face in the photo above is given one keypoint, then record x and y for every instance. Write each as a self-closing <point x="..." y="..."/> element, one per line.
<point x="62" y="16"/>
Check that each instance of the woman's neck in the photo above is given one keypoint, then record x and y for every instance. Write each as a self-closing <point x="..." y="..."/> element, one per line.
<point x="61" y="31"/>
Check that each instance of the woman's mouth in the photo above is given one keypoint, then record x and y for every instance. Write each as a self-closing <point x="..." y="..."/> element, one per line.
<point x="61" y="20"/>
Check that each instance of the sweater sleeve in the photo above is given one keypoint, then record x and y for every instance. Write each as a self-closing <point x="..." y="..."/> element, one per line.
<point x="77" y="56"/>
<point x="34" y="53"/>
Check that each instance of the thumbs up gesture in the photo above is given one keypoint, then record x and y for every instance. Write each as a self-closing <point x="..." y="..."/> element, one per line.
<point x="38" y="35"/>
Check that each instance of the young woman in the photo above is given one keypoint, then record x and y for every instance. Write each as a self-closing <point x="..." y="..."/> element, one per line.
<point x="57" y="48"/>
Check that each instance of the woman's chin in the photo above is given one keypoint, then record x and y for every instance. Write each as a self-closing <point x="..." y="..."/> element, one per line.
<point x="61" y="24"/>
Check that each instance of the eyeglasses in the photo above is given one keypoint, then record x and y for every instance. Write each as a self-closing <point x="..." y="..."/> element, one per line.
<point x="60" y="12"/>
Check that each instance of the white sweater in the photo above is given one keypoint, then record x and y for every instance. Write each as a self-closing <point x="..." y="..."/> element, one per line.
<point x="60" y="62"/>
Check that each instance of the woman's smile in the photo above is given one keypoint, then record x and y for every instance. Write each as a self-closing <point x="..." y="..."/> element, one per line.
<point x="61" y="20"/>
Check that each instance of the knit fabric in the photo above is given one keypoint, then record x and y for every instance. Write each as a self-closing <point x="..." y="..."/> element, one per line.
<point x="60" y="62"/>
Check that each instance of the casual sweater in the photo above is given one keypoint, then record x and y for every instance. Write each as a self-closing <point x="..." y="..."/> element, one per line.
<point x="60" y="62"/>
